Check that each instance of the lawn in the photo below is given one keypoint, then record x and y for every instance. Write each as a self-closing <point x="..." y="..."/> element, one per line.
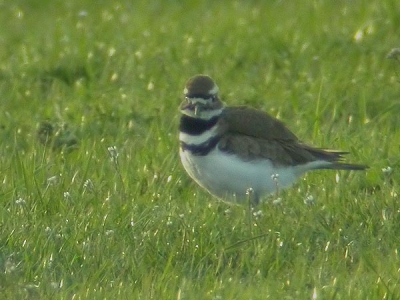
<point x="94" y="203"/>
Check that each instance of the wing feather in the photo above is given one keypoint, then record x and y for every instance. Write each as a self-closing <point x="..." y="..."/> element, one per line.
<point x="253" y="134"/>
<point x="257" y="124"/>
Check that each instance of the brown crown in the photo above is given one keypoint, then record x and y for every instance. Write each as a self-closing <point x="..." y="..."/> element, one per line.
<point x="199" y="85"/>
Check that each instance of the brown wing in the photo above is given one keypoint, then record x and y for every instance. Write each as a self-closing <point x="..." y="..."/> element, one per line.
<point x="252" y="122"/>
<point x="254" y="134"/>
<point x="281" y="152"/>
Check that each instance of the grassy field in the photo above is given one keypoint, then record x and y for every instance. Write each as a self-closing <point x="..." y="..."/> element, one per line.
<point x="94" y="203"/>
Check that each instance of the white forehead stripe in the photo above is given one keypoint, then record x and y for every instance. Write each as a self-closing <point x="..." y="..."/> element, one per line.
<point x="199" y="100"/>
<point x="204" y="115"/>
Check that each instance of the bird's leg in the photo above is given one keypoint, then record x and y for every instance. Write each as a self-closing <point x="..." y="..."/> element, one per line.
<point x="250" y="198"/>
<point x="275" y="178"/>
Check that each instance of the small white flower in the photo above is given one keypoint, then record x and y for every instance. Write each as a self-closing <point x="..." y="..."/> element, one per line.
<point x="67" y="196"/>
<point x="258" y="214"/>
<point x="109" y="232"/>
<point x="388" y="170"/>
<point x="275" y="177"/>
<point x="88" y="184"/>
<point x="113" y="151"/>
<point x="169" y="221"/>
<point x="20" y="201"/>
<point x="309" y="200"/>
<point x="54" y="285"/>
<point x="10" y="266"/>
<point x="249" y="192"/>
<point x="277" y="201"/>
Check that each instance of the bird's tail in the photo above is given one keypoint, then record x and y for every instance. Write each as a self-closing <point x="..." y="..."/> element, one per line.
<point x="334" y="160"/>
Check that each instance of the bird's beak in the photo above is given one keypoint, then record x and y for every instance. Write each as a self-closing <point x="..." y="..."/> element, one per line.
<point x="191" y="108"/>
<point x="197" y="110"/>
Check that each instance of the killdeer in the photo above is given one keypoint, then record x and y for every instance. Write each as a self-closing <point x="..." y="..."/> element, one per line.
<point x="230" y="151"/>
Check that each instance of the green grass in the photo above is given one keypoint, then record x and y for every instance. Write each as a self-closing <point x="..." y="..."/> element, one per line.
<point x="77" y="78"/>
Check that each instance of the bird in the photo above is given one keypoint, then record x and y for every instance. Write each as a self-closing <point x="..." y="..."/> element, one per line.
<point x="239" y="153"/>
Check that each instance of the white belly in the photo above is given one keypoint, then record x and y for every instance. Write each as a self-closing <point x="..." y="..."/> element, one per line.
<point x="229" y="178"/>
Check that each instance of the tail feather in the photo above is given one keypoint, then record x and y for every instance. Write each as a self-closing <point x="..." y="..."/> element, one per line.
<point x="334" y="160"/>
